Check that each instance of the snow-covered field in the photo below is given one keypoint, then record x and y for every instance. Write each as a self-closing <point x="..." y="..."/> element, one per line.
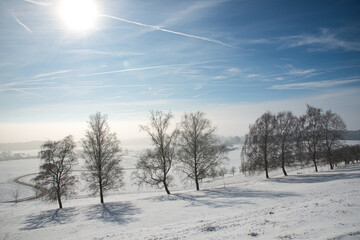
<point x="304" y="205"/>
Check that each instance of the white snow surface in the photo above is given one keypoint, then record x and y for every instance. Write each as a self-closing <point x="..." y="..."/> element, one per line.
<point x="303" y="205"/>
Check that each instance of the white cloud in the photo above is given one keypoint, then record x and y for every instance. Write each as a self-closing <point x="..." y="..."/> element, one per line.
<point x="39" y="3"/>
<point x="314" y="84"/>
<point x="321" y="42"/>
<point x="21" y="23"/>
<point x="253" y="75"/>
<point x="234" y="70"/>
<point x="41" y="75"/>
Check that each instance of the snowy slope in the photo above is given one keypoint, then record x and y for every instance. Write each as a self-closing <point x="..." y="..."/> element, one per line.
<point x="321" y="205"/>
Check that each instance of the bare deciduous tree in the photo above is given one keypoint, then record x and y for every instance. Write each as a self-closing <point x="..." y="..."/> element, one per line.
<point x="154" y="165"/>
<point x="285" y="139"/>
<point x="55" y="172"/>
<point x="333" y="127"/>
<point x="311" y="129"/>
<point x="233" y="170"/>
<point x="102" y="157"/>
<point x="16" y="193"/>
<point x="258" y="150"/>
<point x="200" y="150"/>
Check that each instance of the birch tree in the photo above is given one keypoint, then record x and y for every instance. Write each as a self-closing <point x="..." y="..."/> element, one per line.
<point x="154" y="165"/>
<point x="58" y="158"/>
<point x="200" y="150"/>
<point x="333" y="127"/>
<point x="102" y="157"/>
<point x="258" y="151"/>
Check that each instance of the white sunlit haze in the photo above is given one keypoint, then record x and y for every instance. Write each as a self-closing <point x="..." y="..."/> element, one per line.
<point x="61" y="61"/>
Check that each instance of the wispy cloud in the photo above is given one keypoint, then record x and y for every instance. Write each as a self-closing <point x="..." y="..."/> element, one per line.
<point x="158" y="28"/>
<point x="203" y="94"/>
<point x="128" y="70"/>
<point x="41" y="75"/>
<point x="234" y="70"/>
<point x="21" y="23"/>
<point x="97" y="52"/>
<point x="314" y="84"/>
<point x="325" y="40"/>
<point x="39" y="3"/>
<point x="190" y="11"/>
<point x="321" y="42"/>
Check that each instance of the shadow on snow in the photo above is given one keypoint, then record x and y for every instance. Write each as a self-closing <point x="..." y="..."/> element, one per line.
<point x="347" y="172"/>
<point x="225" y="197"/>
<point x="49" y="218"/>
<point x="116" y="212"/>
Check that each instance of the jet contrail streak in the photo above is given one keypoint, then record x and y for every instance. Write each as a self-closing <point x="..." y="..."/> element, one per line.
<point x="169" y="31"/>
<point x="20" y="23"/>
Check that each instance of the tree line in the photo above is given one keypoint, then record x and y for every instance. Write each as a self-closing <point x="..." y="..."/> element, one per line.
<point x="283" y="139"/>
<point x="273" y="141"/>
<point x="192" y="144"/>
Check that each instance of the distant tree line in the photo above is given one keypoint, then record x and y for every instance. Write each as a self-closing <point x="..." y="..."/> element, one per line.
<point x="282" y="139"/>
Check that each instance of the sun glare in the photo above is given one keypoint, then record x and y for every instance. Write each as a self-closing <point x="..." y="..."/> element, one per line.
<point x="79" y="15"/>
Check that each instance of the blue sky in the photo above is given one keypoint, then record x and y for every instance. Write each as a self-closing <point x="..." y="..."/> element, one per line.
<point x="233" y="60"/>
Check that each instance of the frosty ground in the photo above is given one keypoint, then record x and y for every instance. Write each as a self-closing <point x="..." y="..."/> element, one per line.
<point x="304" y="205"/>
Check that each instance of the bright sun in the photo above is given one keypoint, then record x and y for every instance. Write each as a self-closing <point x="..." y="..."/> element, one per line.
<point x="79" y="15"/>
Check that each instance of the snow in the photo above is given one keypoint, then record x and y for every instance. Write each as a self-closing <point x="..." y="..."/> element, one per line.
<point x="304" y="205"/>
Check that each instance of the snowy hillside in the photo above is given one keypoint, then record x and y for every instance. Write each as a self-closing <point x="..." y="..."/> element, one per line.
<point x="304" y="205"/>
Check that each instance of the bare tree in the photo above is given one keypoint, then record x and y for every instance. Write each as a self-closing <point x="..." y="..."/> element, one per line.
<point x="16" y="193"/>
<point x="223" y="171"/>
<point x="199" y="149"/>
<point x="333" y="127"/>
<point x="102" y="157"/>
<point x="233" y="170"/>
<point x="311" y="129"/>
<point x="154" y="165"/>
<point x="258" y="150"/>
<point x="58" y="157"/>
<point x="285" y="139"/>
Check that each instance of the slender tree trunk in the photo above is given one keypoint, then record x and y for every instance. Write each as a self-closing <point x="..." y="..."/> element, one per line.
<point x="197" y="183"/>
<point x="101" y="193"/>
<point x="166" y="187"/>
<point x="314" y="160"/>
<point x="283" y="160"/>
<point x="266" y="162"/>
<point x="59" y="196"/>
<point x="266" y="171"/>
<point x="283" y="165"/>
<point x="329" y="160"/>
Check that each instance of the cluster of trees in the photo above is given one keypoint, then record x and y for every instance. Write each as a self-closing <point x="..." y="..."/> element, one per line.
<point x="279" y="140"/>
<point x="273" y="141"/>
<point x="191" y="144"/>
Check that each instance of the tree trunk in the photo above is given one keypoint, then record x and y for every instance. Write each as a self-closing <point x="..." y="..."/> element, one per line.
<point x="101" y="194"/>
<point x="265" y="160"/>
<point x="197" y="183"/>
<point x="166" y="187"/>
<point x="314" y="160"/>
<point x="329" y="160"/>
<point x="59" y="198"/>
<point x="283" y="163"/>
<point x="283" y="168"/>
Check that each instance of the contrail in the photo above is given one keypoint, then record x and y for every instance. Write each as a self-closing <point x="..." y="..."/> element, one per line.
<point x="39" y="3"/>
<point x="20" y="23"/>
<point x="127" y="70"/>
<point x="169" y="31"/>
